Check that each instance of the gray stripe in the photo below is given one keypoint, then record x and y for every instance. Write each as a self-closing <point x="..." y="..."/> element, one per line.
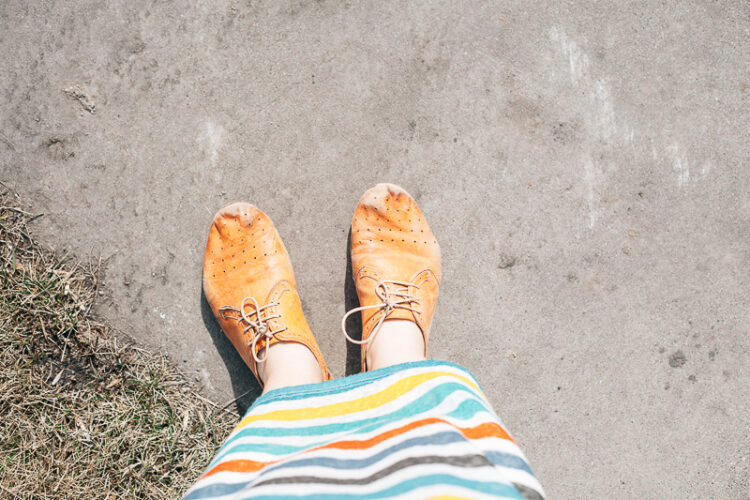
<point x="440" y="438"/>
<point x="528" y="493"/>
<point x="458" y="461"/>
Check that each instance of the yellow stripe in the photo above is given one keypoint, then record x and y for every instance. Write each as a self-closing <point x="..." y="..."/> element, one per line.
<point x="387" y="395"/>
<point x="448" y="497"/>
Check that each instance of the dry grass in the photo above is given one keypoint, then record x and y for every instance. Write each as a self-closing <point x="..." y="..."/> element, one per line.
<point x="83" y="417"/>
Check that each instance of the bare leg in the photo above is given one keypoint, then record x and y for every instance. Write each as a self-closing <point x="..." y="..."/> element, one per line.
<point x="398" y="341"/>
<point x="289" y="363"/>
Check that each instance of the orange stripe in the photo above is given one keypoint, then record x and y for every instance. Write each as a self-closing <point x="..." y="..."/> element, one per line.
<point x="489" y="429"/>
<point x="237" y="466"/>
<point x="369" y="443"/>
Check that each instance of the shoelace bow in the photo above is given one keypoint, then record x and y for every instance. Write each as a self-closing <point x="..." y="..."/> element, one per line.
<point x="260" y="325"/>
<point x="397" y="299"/>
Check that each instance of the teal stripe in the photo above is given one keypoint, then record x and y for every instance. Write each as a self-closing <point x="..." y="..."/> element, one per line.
<point x="425" y="403"/>
<point x="489" y="488"/>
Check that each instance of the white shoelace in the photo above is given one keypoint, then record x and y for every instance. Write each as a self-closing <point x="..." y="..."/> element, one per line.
<point x="260" y="325"/>
<point x="397" y="299"/>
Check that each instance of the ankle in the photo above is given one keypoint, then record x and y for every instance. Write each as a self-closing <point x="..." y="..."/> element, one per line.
<point x="398" y="341"/>
<point x="287" y="364"/>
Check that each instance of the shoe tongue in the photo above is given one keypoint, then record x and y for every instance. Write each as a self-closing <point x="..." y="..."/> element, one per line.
<point x="394" y="288"/>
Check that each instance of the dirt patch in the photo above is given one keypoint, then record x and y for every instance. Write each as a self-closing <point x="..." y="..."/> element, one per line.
<point x="677" y="359"/>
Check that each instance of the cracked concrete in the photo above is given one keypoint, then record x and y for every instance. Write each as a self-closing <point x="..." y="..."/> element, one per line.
<point x="584" y="165"/>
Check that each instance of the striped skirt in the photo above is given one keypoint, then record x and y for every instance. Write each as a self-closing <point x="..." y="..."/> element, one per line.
<point x="416" y="430"/>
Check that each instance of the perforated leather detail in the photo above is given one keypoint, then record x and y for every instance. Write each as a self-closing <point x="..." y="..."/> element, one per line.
<point x="391" y="240"/>
<point x="245" y="257"/>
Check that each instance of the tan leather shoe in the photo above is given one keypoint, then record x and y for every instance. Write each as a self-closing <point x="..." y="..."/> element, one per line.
<point x="249" y="284"/>
<point x="395" y="263"/>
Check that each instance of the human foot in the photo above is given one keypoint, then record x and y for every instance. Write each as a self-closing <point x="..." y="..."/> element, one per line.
<point x="249" y="283"/>
<point x="396" y="269"/>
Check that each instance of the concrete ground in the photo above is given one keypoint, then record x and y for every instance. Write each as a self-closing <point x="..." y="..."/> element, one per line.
<point x="584" y="165"/>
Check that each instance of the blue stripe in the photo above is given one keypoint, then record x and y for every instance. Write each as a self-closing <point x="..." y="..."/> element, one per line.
<point x="426" y="402"/>
<point x="508" y="460"/>
<point x="440" y="438"/>
<point x="490" y="488"/>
